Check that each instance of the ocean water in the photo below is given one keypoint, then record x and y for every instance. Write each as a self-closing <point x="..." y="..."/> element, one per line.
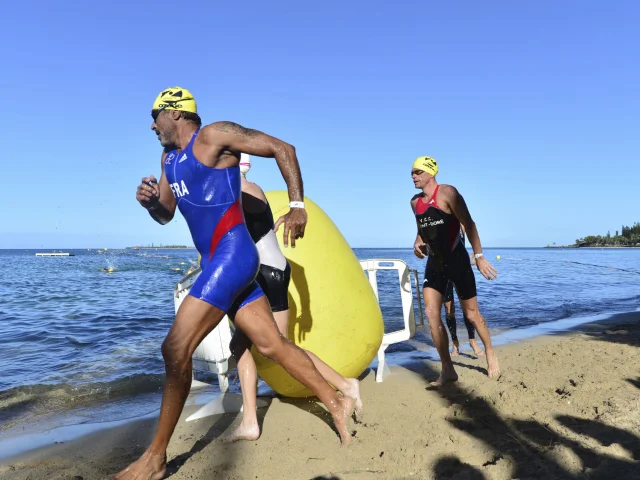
<point x="80" y="344"/>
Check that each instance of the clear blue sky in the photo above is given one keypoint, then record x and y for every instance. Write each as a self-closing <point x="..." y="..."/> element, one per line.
<point x="531" y="109"/>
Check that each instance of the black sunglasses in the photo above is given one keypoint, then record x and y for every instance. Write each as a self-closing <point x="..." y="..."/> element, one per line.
<point x="155" y="113"/>
<point x="416" y="172"/>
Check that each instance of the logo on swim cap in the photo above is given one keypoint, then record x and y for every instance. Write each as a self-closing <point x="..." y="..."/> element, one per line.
<point x="175" y="98"/>
<point x="428" y="164"/>
<point x="245" y="163"/>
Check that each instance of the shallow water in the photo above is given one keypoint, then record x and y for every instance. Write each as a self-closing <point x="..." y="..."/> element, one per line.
<point x="79" y="344"/>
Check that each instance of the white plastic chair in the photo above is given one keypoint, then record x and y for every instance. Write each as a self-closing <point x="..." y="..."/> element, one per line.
<point x="406" y="296"/>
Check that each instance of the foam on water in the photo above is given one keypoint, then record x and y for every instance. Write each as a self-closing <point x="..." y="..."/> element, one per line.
<point x="24" y="443"/>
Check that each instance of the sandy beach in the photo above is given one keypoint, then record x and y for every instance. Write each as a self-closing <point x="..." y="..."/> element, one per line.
<point x="566" y="406"/>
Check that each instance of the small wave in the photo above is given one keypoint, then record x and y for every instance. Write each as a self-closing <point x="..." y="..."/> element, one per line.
<point x="78" y="343"/>
<point x="59" y="298"/>
<point x="119" y="319"/>
<point x="33" y="400"/>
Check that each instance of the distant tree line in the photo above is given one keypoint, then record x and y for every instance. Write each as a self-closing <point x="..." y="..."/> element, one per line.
<point x="630" y="237"/>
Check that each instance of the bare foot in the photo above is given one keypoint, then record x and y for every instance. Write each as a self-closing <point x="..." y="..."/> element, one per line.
<point x="476" y="349"/>
<point x="492" y="364"/>
<point x="341" y="415"/>
<point x="354" y="392"/>
<point x="148" y="467"/>
<point x="244" y="431"/>
<point x="445" y="377"/>
<point x="456" y="350"/>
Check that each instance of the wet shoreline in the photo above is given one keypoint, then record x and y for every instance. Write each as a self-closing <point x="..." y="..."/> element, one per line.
<point x="18" y="441"/>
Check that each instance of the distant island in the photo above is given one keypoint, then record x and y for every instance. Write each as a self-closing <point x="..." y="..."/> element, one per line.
<point x="630" y="238"/>
<point x="138" y="247"/>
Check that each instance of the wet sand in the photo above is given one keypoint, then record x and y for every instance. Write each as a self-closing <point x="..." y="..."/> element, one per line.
<point x="566" y="406"/>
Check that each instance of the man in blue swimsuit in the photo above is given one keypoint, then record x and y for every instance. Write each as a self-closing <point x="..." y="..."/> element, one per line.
<point x="201" y="176"/>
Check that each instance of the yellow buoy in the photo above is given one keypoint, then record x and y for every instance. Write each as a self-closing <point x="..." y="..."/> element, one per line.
<point x="333" y="311"/>
<point x="498" y="257"/>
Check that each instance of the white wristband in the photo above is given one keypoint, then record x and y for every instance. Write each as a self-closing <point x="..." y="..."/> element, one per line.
<point x="296" y="204"/>
<point x="478" y="255"/>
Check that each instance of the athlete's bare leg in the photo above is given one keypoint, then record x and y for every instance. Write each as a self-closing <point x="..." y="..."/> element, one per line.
<point x="350" y="387"/>
<point x="258" y="323"/>
<point x="476" y="349"/>
<point x="471" y="331"/>
<point x="194" y="320"/>
<point x="433" y="302"/>
<point x="249" y="429"/>
<point x="472" y="312"/>
<point x="347" y="386"/>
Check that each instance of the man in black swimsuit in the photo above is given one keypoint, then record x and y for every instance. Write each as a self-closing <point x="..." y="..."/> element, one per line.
<point x="450" y="315"/>
<point x="439" y="212"/>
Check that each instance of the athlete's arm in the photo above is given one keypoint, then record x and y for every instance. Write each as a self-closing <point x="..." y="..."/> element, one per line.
<point x="253" y="142"/>
<point x="236" y="138"/>
<point x="418" y="244"/>
<point x="459" y="208"/>
<point x="157" y="197"/>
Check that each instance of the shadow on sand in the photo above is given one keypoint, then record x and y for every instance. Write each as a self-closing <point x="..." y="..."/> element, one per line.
<point x="532" y="447"/>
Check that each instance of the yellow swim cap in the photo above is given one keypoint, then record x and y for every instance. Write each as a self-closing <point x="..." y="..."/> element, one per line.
<point x="426" y="164"/>
<point x="175" y="98"/>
